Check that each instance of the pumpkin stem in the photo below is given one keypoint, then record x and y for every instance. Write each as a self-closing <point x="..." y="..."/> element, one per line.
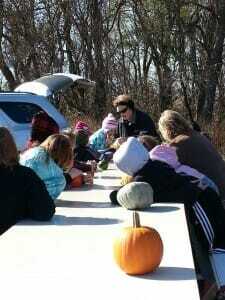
<point x="136" y="220"/>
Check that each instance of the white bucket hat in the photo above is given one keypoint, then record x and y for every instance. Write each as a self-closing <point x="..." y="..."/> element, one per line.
<point x="131" y="156"/>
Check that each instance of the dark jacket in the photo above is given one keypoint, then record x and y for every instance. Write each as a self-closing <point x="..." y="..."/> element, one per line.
<point x="142" y="124"/>
<point x="84" y="167"/>
<point x="23" y="195"/>
<point x="85" y="153"/>
<point x="203" y="206"/>
<point x="168" y="186"/>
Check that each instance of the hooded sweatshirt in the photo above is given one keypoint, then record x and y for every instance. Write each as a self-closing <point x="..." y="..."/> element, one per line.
<point x="98" y="140"/>
<point x="45" y="167"/>
<point x="205" y="207"/>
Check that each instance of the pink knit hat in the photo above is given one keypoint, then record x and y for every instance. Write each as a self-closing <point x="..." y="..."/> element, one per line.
<point x="109" y="123"/>
<point x="80" y="125"/>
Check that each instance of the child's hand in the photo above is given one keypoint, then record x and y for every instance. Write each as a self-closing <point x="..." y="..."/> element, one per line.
<point x="88" y="178"/>
<point x="121" y="140"/>
<point x="93" y="164"/>
<point x="75" y="172"/>
<point x="109" y="139"/>
<point x="118" y="142"/>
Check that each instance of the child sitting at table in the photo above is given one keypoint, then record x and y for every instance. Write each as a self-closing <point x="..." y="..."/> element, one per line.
<point x="42" y="126"/>
<point x="89" y="166"/>
<point x="84" y="169"/>
<point x="103" y="137"/>
<point x="23" y="193"/>
<point x="80" y="125"/>
<point x="82" y="150"/>
<point x="168" y="155"/>
<point x="49" y="160"/>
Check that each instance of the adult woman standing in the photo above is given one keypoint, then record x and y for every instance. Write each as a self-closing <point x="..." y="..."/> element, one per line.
<point x="193" y="148"/>
<point x="23" y="193"/>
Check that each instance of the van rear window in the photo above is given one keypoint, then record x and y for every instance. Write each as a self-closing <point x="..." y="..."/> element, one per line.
<point x="20" y="112"/>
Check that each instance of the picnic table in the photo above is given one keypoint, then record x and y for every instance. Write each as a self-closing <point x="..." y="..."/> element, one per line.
<point x="71" y="256"/>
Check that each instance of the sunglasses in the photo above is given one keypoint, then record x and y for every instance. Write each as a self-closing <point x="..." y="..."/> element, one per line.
<point x="123" y="111"/>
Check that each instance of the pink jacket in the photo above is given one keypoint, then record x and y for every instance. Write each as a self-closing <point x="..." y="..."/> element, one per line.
<point x="167" y="154"/>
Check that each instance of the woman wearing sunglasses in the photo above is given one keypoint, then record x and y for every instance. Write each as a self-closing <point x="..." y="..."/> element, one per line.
<point x="132" y="122"/>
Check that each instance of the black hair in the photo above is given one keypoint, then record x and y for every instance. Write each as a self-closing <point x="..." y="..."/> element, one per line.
<point x="128" y="103"/>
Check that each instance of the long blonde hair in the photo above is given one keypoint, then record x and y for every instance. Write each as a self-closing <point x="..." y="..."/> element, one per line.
<point x="59" y="148"/>
<point x="9" y="156"/>
<point x="171" y="124"/>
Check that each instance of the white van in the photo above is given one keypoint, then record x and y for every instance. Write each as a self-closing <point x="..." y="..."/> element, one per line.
<point x="17" y="108"/>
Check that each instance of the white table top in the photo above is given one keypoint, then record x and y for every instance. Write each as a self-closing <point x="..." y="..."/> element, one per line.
<point x="71" y="256"/>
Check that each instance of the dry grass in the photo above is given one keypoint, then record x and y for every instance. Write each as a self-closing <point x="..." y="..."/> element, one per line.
<point x="74" y="117"/>
<point x="216" y="132"/>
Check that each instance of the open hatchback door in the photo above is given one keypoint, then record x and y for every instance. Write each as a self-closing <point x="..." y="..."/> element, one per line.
<point x="49" y="85"/>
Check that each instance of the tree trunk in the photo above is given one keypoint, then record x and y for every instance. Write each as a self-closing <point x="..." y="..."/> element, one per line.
<point x="165" y="86"/>
<point x="97" y="36"/>
<point x="3" y="66"/>
<point x="215" y="63"/>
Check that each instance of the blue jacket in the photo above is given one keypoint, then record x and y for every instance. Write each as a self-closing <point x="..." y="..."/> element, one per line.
<point x="98" y="140"/>
<point x="44" y="166"/>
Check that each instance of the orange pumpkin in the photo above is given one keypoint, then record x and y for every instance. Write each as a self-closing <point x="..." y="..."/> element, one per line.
<point x="77" y="181"/>
<point x="138" y="250"/>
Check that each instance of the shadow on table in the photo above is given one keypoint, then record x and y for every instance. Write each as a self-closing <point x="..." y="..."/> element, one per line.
<point x="95" y="204"/>
<point x="64" y="221"/>
<point x="170" y="273"/>
<point x="87" y="187"/>
<point x="162" y="209"/>
<point x="105" y="187"/>
<point x="83" y="204"/>
<point x="99" y="176"/>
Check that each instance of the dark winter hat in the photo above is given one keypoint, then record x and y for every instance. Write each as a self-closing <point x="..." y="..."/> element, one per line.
<point x="42" y="126"/>
<point x="81" y="138"/>
<point x="80" y="125"/>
